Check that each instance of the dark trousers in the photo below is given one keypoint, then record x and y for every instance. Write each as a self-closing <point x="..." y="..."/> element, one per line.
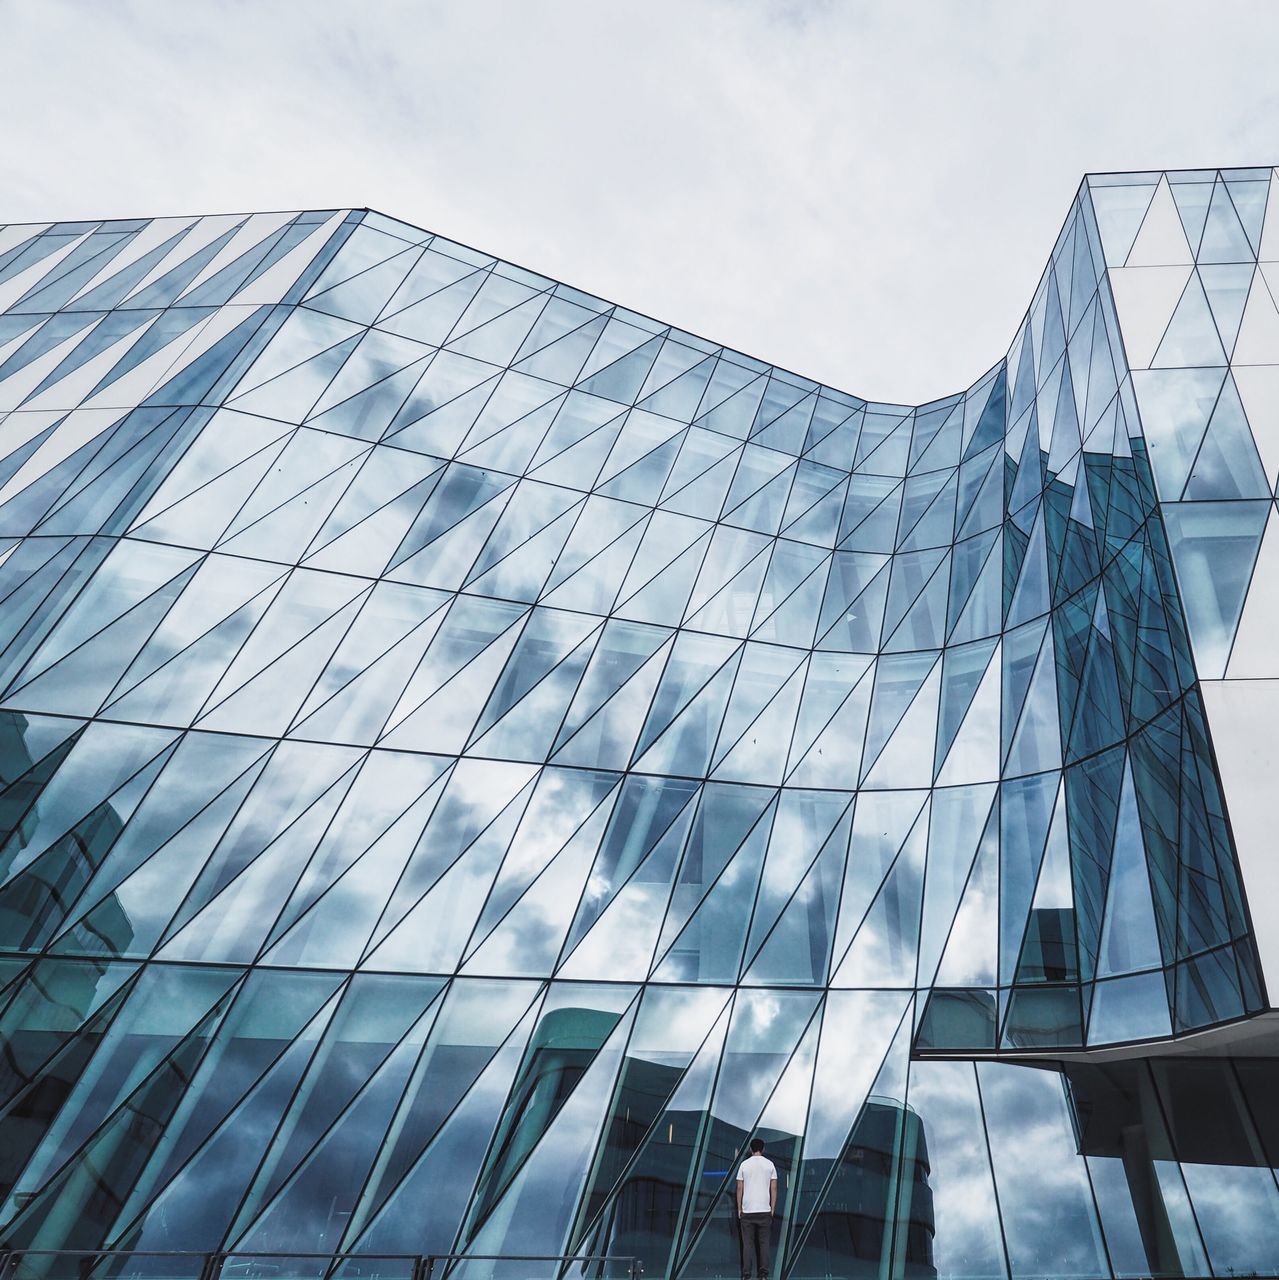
<point x="756" y="1230"/>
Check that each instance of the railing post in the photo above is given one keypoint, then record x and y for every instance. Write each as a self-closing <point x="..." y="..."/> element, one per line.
<point x="211" y="1267"/>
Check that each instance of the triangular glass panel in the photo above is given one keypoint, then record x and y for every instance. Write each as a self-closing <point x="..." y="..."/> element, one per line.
<point x="1224" y="239"/>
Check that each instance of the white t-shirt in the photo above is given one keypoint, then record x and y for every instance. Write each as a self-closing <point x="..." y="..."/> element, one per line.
<point x="755" y="1173"/>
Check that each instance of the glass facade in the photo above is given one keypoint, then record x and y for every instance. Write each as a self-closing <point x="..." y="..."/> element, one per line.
<point x="472" y="756"/>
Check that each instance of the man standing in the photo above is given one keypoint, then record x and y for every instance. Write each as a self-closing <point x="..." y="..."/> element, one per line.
<point x="756" y="1203"/>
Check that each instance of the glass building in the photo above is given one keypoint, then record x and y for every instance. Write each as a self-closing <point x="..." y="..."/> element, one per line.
<point x="472" y="756"/>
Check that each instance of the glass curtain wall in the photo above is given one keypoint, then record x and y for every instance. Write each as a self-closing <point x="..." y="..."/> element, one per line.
<point x="472" y="756"/>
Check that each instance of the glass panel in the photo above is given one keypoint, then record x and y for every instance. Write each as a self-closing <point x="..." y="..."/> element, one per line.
<point x="1231" y="1187"/>
<point x="962" y="1229"/>
<point x="277" y="1266"/>
<point x="1049" y="1220"/>
<point x="35" y="1265"/>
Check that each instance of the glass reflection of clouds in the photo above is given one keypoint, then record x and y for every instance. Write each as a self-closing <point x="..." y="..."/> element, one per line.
<point x="471" y="756"/>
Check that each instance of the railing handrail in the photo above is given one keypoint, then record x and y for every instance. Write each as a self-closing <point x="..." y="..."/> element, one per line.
<point x="336" y="1253"/>
<point x="213" y="1260"/>
<point x="503" y="1257"/>
<point x="202" y="1253"/>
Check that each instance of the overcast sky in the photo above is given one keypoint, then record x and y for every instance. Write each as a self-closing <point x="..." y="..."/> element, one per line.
<point x="862" y="192"/>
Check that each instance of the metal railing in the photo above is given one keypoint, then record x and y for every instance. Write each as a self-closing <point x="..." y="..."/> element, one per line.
<point x="252" y="1264"/>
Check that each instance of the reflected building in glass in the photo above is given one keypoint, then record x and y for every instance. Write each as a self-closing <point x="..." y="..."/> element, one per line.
<point x="472" y="756"/>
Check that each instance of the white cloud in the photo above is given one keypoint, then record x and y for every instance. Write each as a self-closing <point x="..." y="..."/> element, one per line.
<point x="863" y="192"/>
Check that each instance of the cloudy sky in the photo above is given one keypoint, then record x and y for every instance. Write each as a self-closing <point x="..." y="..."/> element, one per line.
<point x="861" y="190"/>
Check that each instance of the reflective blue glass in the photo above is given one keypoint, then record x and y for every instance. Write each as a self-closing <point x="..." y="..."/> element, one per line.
<point x="472" y="757"/>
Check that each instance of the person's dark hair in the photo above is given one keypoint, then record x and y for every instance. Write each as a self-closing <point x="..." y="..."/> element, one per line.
<point x="757" y="1145"/>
